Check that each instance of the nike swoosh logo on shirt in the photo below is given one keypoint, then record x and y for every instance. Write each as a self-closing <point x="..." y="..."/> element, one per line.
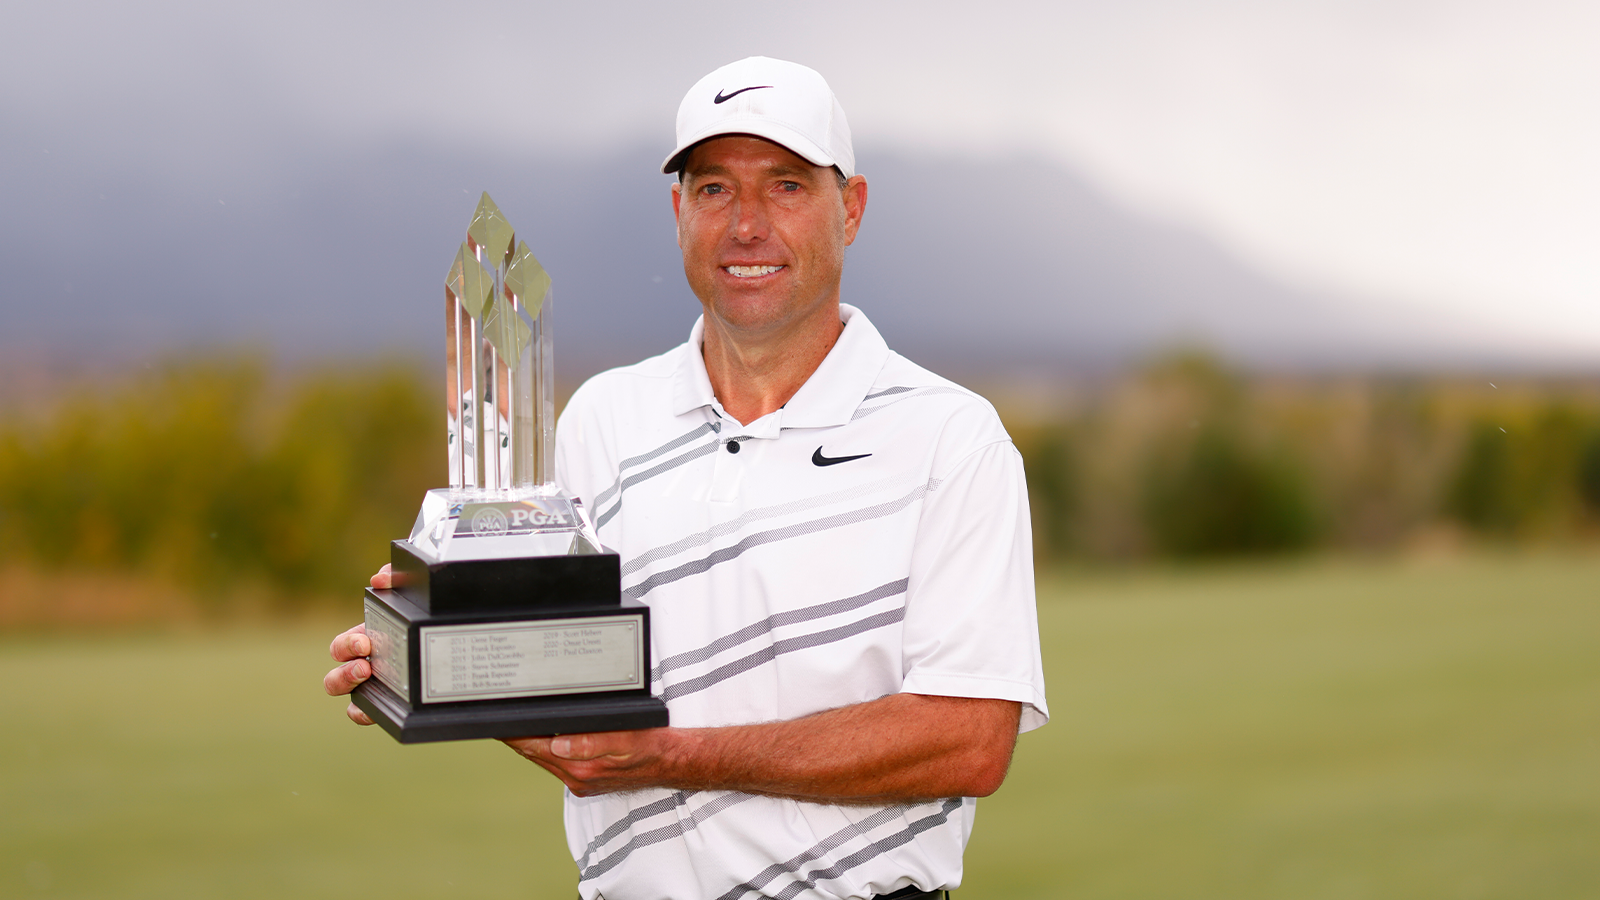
<point x="722" y="99"/>
<point x="818" y="459"/>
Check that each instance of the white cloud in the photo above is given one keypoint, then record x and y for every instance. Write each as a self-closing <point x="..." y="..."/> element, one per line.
<point x="1439" y="151"/>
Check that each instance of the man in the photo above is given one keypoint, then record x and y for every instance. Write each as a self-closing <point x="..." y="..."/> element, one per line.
<point x="834" y="542"/>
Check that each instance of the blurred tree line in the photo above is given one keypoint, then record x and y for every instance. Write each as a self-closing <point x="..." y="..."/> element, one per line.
<point x="1187" y="459"/>
<point x="213" y="473"/>
<point x="215" y="476"/>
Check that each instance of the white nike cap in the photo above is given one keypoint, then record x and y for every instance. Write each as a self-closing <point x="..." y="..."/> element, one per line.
<point x="784" y="102"/>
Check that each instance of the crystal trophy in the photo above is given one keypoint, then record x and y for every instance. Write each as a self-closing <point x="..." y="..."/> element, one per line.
<point x="506" y="618"/>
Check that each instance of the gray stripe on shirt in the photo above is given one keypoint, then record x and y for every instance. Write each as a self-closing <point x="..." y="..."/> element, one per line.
<point x="648" y="474"/>
<point x="799" y="529"/>
<point x="778" y="648"/>
<point x="864" y="411"/>
<point x="875" y="849"/>
<point x="833" y="841"/>
<point x="754" y="515"/>
<point x="649" y="810"/>
<point x="668" y="447"/>
<point x="664" y="833"/>
<point x="777" y="620"/>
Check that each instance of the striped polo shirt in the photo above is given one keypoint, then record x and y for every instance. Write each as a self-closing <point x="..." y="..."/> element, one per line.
<point x="868" y="538"/>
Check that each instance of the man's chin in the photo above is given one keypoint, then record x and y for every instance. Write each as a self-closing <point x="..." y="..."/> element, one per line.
<point x="757" y="315"/>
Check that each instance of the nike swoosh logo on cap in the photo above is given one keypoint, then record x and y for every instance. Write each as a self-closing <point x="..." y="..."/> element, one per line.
<point x="818" y="459"/>
<point x="722" y="99"/>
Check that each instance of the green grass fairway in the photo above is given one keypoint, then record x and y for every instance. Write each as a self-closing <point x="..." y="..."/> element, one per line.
<point x="1292" y="732"/>
<point x="1307" y="732"/>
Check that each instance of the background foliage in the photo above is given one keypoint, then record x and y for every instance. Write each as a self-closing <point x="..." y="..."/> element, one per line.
<point x="215" y="474"/>
<point x="1416" y="725"/>
<point x="211" y="475"/>
<point x="1186" y="459"/>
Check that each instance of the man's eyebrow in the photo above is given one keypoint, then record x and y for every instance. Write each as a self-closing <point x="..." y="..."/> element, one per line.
<point x="703" y="171"/>
<point x="782" y="170"/>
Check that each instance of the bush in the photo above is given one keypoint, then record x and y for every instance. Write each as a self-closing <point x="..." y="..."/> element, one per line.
<point x="1223" y="498"/>
<point x="1053" y="490"/>
<point x="1482" y="494"/>
<point x="1589" y="473"/>
<point x="1530" y="478"/>
<point x="207" y="475"/>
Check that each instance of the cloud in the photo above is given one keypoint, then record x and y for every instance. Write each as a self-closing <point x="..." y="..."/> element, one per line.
<point x="325" y="254"/>
<point x="1434" y="152"/>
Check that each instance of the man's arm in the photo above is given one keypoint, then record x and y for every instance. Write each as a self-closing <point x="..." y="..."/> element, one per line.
<point x="899" y="748"/>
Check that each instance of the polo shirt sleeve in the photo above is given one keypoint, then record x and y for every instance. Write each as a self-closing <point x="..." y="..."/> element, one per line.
<point x="971" y="627"/>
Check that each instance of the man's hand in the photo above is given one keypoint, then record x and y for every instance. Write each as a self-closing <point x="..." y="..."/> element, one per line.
<point x="350" y="648"/>
<point x="899" y="748"/>
<point x="603" y="762"/>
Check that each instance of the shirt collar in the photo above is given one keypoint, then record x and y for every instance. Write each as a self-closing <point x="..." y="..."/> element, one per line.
<point x="829" y="397"/>
<point x="691" y="386"/>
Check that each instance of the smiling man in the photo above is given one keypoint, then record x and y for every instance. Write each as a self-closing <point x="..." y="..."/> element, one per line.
<point x="834" y="543"/>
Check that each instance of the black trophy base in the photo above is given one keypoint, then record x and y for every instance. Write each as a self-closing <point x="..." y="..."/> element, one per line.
<point x="526" y="717"/>
<point x="503" y="648"/>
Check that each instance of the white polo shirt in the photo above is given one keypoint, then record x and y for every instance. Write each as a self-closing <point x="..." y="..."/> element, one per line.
<point x="868" y="538"/>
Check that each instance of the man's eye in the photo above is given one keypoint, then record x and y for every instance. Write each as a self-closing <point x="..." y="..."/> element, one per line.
<point x="711" y="189"/>
<point x="789" y="186"/>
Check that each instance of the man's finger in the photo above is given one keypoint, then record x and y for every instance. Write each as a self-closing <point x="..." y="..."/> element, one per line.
<point x="351" y="644"/>
<point x="531" y="747"/>
<point x="621" y="744"/>
<point x="573" y="746"/>
<point x="356" y="715"/>
<point x="343" y="679"/>
<point x="384" y="579"/>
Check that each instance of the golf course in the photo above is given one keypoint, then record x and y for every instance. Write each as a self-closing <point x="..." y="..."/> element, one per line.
<point x="1310" y="729"/>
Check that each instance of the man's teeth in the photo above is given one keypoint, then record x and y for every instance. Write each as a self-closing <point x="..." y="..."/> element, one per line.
<point x="751" y="271"/>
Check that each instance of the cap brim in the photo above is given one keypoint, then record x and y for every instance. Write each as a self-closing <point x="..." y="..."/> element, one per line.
<point x="754" y="126"/>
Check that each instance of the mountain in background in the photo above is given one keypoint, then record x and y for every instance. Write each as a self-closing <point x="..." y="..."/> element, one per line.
<point x="966" y="265"/>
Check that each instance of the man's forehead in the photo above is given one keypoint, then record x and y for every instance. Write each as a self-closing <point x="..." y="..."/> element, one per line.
<point x="714" y="155"/>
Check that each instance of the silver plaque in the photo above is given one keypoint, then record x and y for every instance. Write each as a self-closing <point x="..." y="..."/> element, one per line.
<point x="389" y="651"/>
<point x="495" y="660"/>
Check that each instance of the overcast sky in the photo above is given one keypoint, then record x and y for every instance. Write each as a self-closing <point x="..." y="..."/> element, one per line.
<point x="1442" y="153"/>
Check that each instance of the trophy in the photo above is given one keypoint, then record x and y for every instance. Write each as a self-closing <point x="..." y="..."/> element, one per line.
<point x="506" y="618"/>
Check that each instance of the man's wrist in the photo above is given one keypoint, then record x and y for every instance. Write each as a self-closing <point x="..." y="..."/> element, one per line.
<point x="681" y="756"/>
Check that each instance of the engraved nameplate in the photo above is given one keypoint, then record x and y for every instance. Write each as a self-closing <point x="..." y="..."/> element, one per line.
<point x="390" y="658"/>
<point x="495" y="660"/>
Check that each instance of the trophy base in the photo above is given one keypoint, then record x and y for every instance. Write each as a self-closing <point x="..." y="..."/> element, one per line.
<point x="500" y="648"/>
<point x="526" y="717"/>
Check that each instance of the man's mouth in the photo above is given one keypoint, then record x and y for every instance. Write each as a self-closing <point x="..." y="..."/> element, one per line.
<point x="750" y="271"/>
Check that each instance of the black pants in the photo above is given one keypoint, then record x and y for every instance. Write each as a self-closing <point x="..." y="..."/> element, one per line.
<point x="906" y="893"/>
<point x="915" y="893"/>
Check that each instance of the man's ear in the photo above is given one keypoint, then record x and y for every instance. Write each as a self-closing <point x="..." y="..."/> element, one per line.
<point x="855" y="206"/>
<point x="677" y="196"/>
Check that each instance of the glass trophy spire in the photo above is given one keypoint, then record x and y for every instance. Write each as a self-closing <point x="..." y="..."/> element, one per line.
<point x="499" y="409"/>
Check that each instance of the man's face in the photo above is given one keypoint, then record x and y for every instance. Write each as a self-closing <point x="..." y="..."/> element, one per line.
<point x="763" y="232"/>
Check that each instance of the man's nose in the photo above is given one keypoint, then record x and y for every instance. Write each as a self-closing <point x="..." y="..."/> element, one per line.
<point x="750" y="219"/>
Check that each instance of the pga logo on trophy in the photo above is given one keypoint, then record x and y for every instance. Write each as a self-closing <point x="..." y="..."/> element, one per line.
<point x="506" y="618"/>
